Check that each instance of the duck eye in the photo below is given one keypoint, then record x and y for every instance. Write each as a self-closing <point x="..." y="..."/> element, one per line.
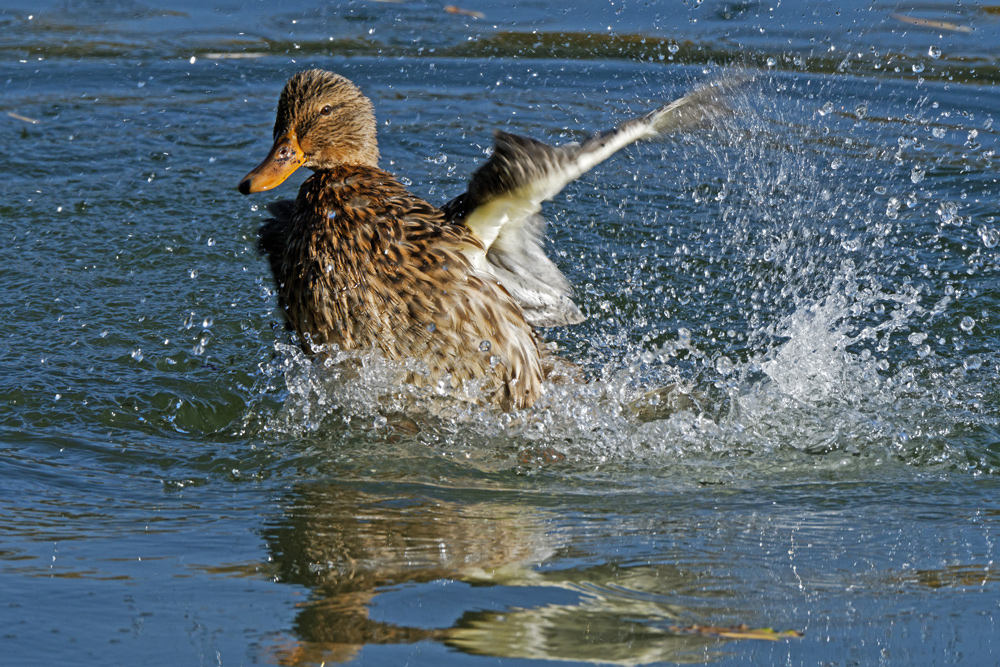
<point x="327" y="110"/>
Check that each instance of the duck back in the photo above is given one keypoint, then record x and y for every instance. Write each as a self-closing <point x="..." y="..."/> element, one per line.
<point x="360" y="262"/>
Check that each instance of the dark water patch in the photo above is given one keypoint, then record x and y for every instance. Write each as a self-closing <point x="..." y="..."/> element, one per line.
<point x="639" y="48"/>
<point x="931" y="42"/>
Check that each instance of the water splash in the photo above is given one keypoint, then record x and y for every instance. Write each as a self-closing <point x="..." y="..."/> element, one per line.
<point x="810" y="291"/>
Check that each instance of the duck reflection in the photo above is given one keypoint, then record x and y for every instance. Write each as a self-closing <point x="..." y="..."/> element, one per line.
<point x="350" y="545"/>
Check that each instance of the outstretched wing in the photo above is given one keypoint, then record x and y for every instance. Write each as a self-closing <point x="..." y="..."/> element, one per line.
<point x="505" y="195"/>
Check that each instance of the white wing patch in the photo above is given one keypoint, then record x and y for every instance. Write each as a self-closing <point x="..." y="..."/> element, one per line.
<point x="505" y="195"/>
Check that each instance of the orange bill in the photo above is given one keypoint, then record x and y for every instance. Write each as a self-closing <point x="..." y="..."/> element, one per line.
<point x="285" y="157"/>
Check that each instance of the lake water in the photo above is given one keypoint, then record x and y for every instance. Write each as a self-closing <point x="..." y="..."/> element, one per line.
<point x="179" y="486"/>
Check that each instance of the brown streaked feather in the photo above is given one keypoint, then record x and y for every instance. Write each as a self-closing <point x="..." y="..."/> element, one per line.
<point x="362" y="263"/>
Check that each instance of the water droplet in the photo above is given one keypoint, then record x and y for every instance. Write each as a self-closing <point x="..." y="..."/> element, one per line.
<point x="211" y="241"/>
<point x="771" y="62"/>
<point x="989" y="236"/>
<point x="189" y="321"/>
<point x="934" y="52"/>
<point x="861" y="111"/>
<point x="724" y="365"/>
<point x="967" y="324"/>
<point x="973" y="362"/>
<point x="431" y="327"/>
<point x="892" y="208"/>
<point x="207" y="322"/>
<point x="939" y="132"/>
<point x="137" y="353"/>
<point x="673" y="47"/>
<point x="199" y="347"/>
<point x="485" y="346"/>
<point x="825" y="109"/>
<point x="917" y="68"/>
<point x="948" y="212"/>
<point x="917" y="173"/>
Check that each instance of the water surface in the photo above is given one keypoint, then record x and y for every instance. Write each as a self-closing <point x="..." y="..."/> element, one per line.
<point x="178" y="485"/>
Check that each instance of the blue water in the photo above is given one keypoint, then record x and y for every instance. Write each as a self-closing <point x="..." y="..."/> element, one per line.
<point x="178" y="485"/>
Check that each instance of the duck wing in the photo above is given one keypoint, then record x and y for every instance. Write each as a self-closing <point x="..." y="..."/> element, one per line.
<point x="501" y="206"/>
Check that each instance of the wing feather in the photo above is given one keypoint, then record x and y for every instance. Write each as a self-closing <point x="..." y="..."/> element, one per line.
<point x="505" y="195"/>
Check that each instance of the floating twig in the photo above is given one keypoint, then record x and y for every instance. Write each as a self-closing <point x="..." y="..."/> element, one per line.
<point x="931" y="23"/>
<point x="236" y="55"/>
<point x="17" y="116"/>
<point x="452" y="9"/>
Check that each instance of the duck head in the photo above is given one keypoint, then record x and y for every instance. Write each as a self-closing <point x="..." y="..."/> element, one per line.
<point x="323" y="121"/>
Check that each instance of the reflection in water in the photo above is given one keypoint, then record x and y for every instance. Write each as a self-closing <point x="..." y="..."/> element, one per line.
<point x="351" y="545"/>
<point x="347" y="544"/>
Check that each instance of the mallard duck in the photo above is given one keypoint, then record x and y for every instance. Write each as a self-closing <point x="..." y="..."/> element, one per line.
<point x="362" y="263"/>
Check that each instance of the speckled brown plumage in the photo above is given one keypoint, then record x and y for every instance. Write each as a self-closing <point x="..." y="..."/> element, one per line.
<point x="362" y="263"/>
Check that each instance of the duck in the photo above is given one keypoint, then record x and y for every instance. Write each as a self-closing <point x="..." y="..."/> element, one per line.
<point x="361" y="263"/>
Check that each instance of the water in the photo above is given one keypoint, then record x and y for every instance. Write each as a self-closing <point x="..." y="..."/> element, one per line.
<point x="179" y="486"/>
